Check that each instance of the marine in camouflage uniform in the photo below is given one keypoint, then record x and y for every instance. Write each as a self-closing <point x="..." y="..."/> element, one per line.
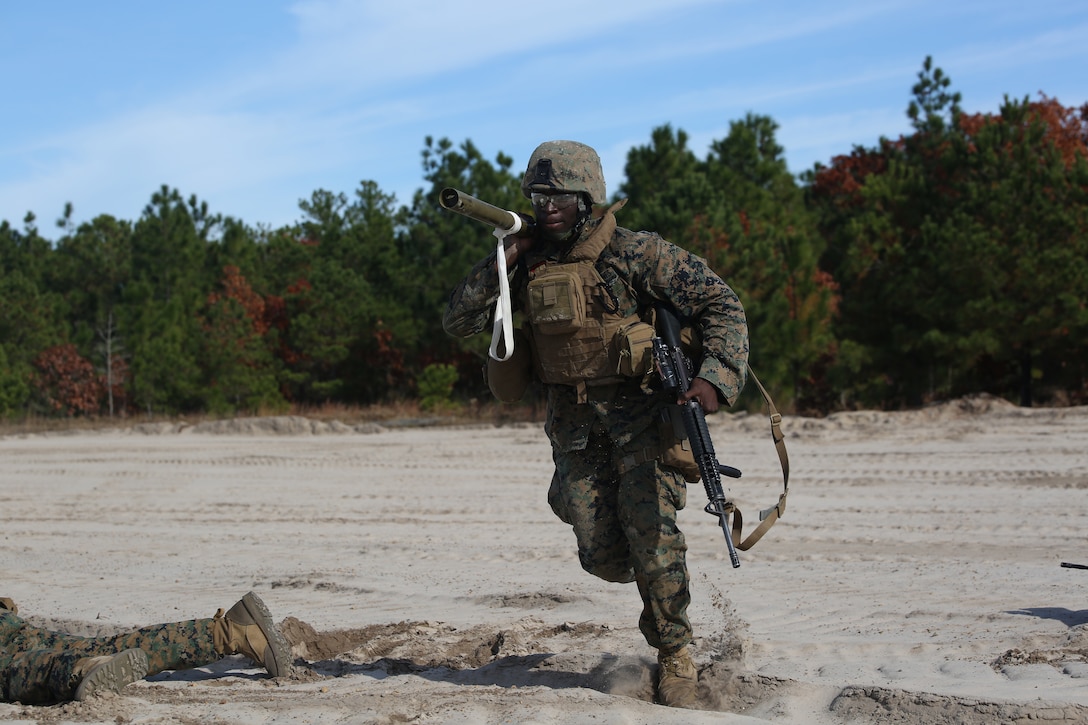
<point x="611" y="481"/>
<point x="42" y="667"/>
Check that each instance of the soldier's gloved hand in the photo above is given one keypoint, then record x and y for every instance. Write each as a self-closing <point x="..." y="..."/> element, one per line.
<point x="6" y="603"/>
<point x="703" y="393"/>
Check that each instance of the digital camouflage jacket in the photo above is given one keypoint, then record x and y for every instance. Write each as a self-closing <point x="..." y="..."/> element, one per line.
<point x="653" y="270"/>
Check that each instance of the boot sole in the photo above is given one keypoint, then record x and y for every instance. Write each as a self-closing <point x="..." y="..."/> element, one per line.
<point x="123" y="669"/>
<point x="277" y="656"/>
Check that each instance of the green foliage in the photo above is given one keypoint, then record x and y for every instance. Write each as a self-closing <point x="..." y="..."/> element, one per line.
<point x="435" y="385"/>
<point x="949" y="261"/>
<point x="239" y="365"/>
<point x="164" y="342"/>
<point x="934" y="108"/>
<point x="14" y="386"/>
<point x="961" y="250"/>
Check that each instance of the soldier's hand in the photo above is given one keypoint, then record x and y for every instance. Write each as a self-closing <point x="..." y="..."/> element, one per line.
<point x="703" y="393"/>
<point x="6" y="603"/>
<point x="518" y="244"/>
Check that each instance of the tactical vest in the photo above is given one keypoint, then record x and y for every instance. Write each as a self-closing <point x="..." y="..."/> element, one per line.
<point x="585" y="328"/>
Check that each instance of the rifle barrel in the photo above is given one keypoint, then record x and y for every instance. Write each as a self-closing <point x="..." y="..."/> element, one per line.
<point x="734" y="557"/>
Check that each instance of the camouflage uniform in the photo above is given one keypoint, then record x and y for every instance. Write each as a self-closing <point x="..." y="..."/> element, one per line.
<point x="609" y="483"/>
<point x="39" y="666"/>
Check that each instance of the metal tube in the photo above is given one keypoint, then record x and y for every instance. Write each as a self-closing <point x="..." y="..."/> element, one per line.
<point x="457" y="201"/>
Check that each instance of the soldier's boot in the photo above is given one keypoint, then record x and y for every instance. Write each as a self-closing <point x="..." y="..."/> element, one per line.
<point x="109" y="673"/>
<point x="677" y="679"/>
<point x="247" y="629"/>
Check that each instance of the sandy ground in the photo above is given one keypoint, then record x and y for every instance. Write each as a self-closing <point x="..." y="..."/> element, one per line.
<point x="421" y="577"/>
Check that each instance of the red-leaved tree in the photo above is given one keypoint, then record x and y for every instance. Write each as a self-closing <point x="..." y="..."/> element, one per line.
<point x="67" y="382"/>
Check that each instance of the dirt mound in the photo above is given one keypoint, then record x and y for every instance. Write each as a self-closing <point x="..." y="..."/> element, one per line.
<point x="877" y="704"/>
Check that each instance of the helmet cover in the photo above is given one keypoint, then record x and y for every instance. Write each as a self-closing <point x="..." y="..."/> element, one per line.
<point x="565" y="166"/>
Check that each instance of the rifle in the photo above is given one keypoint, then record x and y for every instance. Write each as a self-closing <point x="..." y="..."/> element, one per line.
<point x="505" y="223"/>
<point x="1067" y="565"/>
<point x="673" y="367"/>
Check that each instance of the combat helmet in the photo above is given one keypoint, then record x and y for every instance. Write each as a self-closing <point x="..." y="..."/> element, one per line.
<point x="565" y="166"/>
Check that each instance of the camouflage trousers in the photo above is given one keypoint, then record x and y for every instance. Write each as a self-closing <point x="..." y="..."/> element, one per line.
<point x="625" y="525"/>
<point x="36" y="665"/>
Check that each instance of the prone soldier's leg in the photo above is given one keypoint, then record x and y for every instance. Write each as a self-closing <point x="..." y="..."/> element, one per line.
<point x="246" y="628"/>
<point x="40" y="677"/>
<point x="40" y="666"/>
<point x="45" y="677"/>
<point x="170" y="646"/>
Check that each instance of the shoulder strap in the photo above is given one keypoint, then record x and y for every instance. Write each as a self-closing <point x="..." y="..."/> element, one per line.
<point x="767" y="516"/>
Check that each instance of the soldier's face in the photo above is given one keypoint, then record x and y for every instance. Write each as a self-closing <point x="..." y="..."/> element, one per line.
<point x="556" y="213"/>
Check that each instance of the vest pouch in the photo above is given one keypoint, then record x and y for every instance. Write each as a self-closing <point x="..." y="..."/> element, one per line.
<point x="635" y="349"/>
<point x="676" y="449"/>
<point x="557" y="302"/>
<point x="508" y="379"/>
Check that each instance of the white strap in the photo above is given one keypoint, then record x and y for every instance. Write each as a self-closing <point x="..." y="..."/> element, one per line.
<point x="503" y="329"/>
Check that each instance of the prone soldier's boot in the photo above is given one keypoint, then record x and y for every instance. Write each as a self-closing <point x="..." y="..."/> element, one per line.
<point x="109" y="673"/>
<point x="677" y="679"/>
<point x="247" y="629"/>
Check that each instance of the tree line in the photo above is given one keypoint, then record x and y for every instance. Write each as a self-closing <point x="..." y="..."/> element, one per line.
<point x="951" y="260"/>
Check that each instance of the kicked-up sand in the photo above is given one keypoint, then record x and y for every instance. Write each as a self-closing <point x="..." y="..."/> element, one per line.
<point x="421" y="577"/>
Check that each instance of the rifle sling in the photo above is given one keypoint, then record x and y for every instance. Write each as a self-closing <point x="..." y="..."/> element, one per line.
<point x="767" y="516"/>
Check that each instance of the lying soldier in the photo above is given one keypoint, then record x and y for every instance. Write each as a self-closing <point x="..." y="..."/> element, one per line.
<point x="43" y="667"/>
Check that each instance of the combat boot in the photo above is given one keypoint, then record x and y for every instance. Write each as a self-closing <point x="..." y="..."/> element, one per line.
<point x="677" y="679"/>
<point x="247" y="629"/>
<point x="109" y="673"/>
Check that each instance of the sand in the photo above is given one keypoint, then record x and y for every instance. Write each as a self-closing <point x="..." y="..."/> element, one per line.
<point x="421" y="577"/>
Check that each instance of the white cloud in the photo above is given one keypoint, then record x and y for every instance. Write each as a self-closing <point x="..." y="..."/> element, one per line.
<point x="376" y="42"/>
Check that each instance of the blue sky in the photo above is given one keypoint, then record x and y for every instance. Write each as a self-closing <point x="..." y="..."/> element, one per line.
<point x="252" y="105"/>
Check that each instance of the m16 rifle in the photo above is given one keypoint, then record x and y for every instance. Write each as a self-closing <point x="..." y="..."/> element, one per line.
<point x="674" y="368"/>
